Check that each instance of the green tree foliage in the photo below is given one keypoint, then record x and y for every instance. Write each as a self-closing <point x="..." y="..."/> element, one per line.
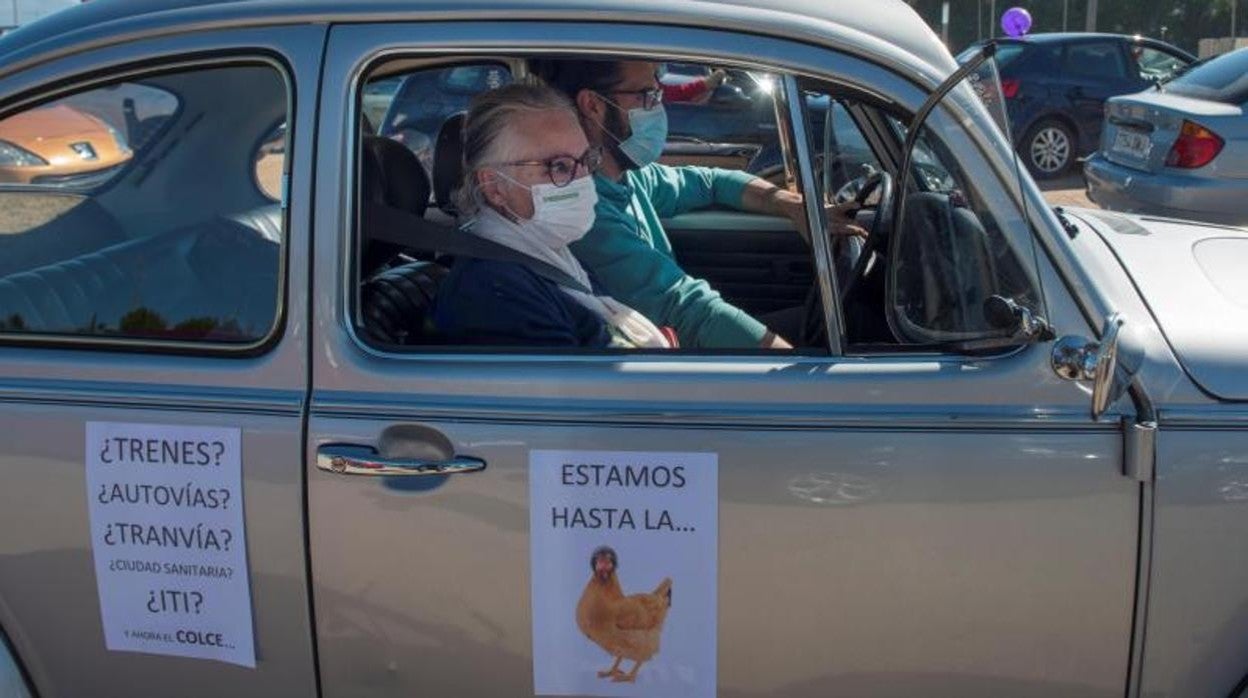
<point x="1179" y="22"/>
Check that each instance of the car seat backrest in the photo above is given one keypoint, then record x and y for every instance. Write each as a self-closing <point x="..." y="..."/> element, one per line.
<point x="392" y="175"/>
<point x="216" y="280"/>
<point x="396" y="304"/>
<point x="83" y="226"/>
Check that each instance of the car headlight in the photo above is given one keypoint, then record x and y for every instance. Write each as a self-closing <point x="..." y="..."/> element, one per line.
<point x="13" y="156"/>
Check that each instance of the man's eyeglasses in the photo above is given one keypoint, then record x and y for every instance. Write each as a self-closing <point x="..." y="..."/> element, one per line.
<point x="562" y="169"/>
<point x="650" y="97"/>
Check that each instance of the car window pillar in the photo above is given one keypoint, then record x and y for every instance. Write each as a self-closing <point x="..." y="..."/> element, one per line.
<point x="800" y="140"/>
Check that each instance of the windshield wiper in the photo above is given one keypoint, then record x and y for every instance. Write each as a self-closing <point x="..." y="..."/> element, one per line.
<point x="1072" y="230"/>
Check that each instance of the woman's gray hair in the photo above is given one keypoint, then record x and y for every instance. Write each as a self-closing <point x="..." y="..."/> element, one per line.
<point x="490" y="114"/>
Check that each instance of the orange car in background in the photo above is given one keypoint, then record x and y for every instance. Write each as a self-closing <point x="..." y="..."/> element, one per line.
<point x="57" y="142"/>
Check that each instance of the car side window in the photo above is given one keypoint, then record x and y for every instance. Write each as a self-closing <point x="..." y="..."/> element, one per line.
<point x="146" y="209"/>
<point x="421" y="101"/>
<point x="732" y="126"/>
<point x="957" y="257"/>
<point x="1154" y="64"/>
<point x="472" y="79"/>
<point x="844" y="155"/>
<point x="711" y="276"/>
<point x="1099" y="60"/>
<point x="924" y="284"/>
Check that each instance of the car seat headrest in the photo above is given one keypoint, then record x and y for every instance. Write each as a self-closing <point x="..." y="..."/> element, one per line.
<point x="448" y="160"/>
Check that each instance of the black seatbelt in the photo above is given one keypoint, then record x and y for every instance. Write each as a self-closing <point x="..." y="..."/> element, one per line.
<point x="409" y="231"/>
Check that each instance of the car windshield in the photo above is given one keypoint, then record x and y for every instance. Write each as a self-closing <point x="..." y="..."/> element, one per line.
<point x="1223" y="79"/>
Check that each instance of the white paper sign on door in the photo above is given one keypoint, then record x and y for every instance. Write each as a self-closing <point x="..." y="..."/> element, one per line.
<point x="624" y="564"/>
<point x="166" y="506"/>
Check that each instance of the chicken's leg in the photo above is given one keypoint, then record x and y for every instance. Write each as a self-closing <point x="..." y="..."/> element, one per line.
<point x="630" y="677"/>
<point x="613" y="671"/>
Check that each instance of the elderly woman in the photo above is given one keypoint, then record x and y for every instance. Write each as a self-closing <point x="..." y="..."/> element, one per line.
<point x="527" y="188"/>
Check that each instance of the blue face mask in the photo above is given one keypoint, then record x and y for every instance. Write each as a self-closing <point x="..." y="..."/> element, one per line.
<point x="649" y="127"/>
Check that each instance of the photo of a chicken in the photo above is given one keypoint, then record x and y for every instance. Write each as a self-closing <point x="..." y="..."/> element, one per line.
<point x="627" y="627"/>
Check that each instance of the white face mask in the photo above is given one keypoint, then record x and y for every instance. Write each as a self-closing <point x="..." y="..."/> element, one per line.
<point x="561" y="215"/>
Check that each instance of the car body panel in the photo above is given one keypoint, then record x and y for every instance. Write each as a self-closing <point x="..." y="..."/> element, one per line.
<point x="1171" y="194"/>
<point x="925" y="523"/>
<point x="48" y="601"/>
<point x="1168" y="260"/>
<point x="887" y="32"/>
<point x="1158" y="116"/>
<point x="1197" y="622"/>
<point x="1129" y="172"/>
<point x="1162" y="378"/>
<point x="899" y="618"/>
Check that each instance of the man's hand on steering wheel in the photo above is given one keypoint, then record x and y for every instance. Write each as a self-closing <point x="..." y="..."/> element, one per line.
<point x="840" y="222"/>
<point x="838" y="219"/>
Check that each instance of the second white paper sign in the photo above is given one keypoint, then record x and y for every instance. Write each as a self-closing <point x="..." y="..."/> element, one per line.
<point x="624" y="572"/>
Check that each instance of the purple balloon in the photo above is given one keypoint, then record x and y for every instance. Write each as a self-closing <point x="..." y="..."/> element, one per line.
<point x="1016" y="21"/>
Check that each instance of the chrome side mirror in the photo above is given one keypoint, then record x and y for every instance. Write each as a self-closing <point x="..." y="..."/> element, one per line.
<point x="1111" y="364"/>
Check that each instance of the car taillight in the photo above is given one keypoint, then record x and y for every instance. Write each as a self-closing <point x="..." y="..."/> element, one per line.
<point x="1197" y="146"/>
<point x="1009" y="87"/>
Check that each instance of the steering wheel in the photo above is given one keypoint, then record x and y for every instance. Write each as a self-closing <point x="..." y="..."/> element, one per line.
<point x="850" y="260"/>
<point x="881" y="229"/>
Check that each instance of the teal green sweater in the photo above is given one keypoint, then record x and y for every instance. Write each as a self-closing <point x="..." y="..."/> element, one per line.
<point x="630" y="257"/>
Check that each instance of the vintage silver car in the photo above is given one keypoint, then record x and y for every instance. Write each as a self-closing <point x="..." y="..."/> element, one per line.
<point x="1009" y="458"/>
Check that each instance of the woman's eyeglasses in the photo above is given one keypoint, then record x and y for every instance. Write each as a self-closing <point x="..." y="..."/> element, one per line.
<point x="562" y="169"/>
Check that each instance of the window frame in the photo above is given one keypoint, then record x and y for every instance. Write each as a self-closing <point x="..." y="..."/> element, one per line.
<point x="437" y="61"/>
<point x="852" y="77"/>
<point x="102" y="77"/>
<point x="879" y="121"/>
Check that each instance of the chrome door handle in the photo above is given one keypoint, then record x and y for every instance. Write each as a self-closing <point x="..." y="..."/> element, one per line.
<point x="349" y="459"/>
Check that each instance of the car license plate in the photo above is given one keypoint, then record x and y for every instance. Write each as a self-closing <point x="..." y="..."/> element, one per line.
<point x="1130" y="143"/>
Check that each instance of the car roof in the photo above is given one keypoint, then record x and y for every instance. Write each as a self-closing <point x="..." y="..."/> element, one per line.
<point x="891" y="31"/>
<point x="1061" y="37"/>
<point x="1048" y="38"/>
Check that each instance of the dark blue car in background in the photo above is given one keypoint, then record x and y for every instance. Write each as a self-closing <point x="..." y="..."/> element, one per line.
<point x="1056" y="86"/>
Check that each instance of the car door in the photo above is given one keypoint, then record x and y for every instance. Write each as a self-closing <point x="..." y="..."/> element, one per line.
<point x="141" y="304"/>
<point x="1093" y="71"/>
<point x="886" y="524"/>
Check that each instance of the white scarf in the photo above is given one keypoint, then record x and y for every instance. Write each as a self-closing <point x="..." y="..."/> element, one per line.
<point x="632" y="325"/>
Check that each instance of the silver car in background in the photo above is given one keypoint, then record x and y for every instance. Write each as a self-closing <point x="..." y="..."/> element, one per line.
<point x="1180" y="150"/>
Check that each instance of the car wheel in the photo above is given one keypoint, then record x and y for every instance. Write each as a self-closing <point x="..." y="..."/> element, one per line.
<point x="1049" y="149"/>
